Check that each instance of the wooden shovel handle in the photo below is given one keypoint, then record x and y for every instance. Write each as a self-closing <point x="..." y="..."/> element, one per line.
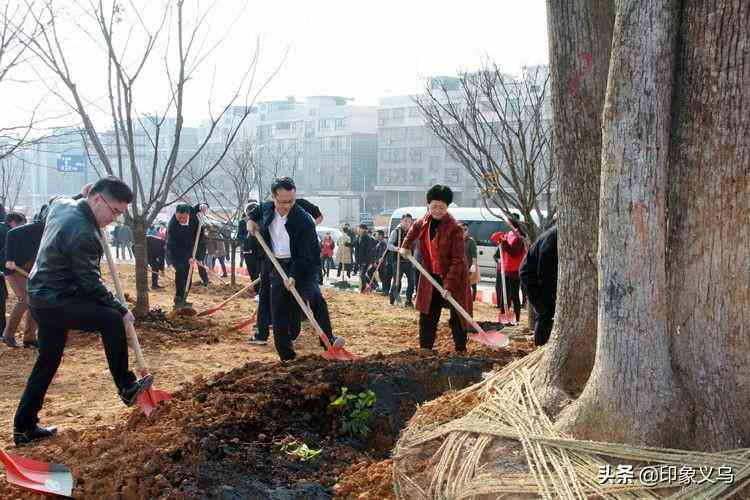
<point x="188" y="282"/>
<point x="302" y="304"/>
<point x="129" y="328"/>
<point x="440" y="289"/>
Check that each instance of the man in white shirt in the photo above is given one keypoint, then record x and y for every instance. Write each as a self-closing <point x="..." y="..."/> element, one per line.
<point x="290" y="232"/>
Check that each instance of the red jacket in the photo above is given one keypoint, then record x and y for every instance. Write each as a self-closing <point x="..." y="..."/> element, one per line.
<point x="513" y="250"/>
<point x="450" y="246"/>
<point x="326" y="248"/>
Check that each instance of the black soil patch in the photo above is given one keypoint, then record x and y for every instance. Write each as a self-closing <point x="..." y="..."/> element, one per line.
<point x="221" y="439"/>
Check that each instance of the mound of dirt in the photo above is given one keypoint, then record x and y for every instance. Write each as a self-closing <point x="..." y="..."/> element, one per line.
<point x="223" y="438"/>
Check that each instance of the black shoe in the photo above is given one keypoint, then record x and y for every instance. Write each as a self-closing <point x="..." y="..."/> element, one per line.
<point x="129" y="395"/>
<point x="35" y="434"/>
<point x="408" y="304"/>
<point x="31" y="344"/>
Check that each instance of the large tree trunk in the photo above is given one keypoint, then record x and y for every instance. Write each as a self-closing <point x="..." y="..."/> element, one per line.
<point x="709" y="222"/>
<point x="632" y="395"/>
<point x="140" y="227"/>
<point x="580" y="37"/>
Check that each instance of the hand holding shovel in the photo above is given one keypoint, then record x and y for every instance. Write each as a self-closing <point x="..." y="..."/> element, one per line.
<point x="491" y="338"/>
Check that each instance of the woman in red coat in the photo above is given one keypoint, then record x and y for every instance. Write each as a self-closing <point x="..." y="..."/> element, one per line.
<point x="441" y="242"/>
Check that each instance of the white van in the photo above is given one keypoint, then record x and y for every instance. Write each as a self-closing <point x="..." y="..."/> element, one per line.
<point x="482" y="224"/>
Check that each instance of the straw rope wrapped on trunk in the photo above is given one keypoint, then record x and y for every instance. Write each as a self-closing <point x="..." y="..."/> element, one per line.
<point x="506" y="447"/>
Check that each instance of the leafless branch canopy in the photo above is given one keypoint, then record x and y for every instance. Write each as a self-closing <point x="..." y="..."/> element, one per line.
<point x="499" y="128"/>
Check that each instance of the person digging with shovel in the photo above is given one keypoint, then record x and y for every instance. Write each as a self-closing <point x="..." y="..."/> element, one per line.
<point x="442" y="243"/>
<point x="66" y="292"/>
<point x="293" y="240"/>
<point x="181" y="233"/>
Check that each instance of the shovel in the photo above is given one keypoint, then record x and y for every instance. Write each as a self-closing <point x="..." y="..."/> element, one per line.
<point x="490" y="338"/>
<point x="243" y="324"/>
<point x="331" y="353"/>
<point x="148" y="398"/>
<point x="209" y="312"/>
<point x="39" y="477"/>
<point x="505" y="316"/>
<point x="368" y="287"/>
<point x="189" y="281"/>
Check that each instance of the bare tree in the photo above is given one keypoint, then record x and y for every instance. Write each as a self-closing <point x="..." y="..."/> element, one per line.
<point x="13" y="172"/>
<point x="148" y="152"/>
<point x="227" y="190"/>
<point x="498" y="127"/>
<point x="16" y="25"/>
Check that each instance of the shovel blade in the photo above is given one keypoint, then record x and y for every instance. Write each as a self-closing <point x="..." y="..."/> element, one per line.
<point x="148" y="400"/>
<point x="338" y="354"/>
<point x="36" y="476"/>
<point x="208" y="312"/>
<point x="491" y="339"/>
<point x="243" y="324"/>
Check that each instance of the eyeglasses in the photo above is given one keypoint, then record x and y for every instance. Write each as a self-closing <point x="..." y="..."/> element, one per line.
<point x="115" y="213"/>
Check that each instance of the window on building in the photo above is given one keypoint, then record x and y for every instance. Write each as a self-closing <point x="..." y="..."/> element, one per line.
<point x="414" y="112"/>
<point x="415" y="155"/>
<point x="415" y="176"/>
<point x="383" y="115"/>
<point x="451" y="175"/>
<point x="339" y="123"/>
<point x="399" y="155"/>
<point x="397" y="114"/>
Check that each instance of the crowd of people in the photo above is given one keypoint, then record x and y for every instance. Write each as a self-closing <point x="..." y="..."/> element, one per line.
<point x="52" y="264"/>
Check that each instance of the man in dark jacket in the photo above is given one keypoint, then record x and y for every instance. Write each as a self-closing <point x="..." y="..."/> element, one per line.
<point x="180" y="240"/>
<point x="364" y="253"/>
<point x="155" y="249"/>
<point x="290" y="232"/>
<point x="66" y="293"/>
<point x="251" y="254"/>
<point x="12" y="220"/>
<point x="539" y="278"/>
<point x="21" y="246"/>
<point x="401" y="266"/>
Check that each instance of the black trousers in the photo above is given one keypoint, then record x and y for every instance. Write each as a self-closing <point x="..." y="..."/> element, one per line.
<point x="181" y="267"/>
<point x="512" y="287"/>
<point x="157" y="264"/>
<point x="544" y="305"/>
<point x="428" y="323"/>
<point x="252" y="264"/>
<point x="54" y="323"/>
<point x="284" y="309"/>
<point x="410" y="283"/>
<point x="386" y="275"/>
<point x="3" y="298"/>
<point x="364" y="275"/>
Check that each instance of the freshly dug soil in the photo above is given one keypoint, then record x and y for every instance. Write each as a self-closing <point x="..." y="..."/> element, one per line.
<point x="220" y="438"/>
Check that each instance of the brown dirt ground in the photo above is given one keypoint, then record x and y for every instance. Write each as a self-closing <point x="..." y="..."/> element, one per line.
<point x="183" y="352"/>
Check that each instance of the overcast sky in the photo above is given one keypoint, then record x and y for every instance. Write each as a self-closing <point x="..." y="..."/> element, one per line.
<point x="363" y="50"/>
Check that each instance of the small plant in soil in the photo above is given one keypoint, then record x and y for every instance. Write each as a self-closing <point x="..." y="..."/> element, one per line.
<point x="356" y="411"/>
<point x="298" y="449"/>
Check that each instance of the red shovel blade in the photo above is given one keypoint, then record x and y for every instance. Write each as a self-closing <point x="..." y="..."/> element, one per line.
<point x="243" y="324"/>
<point x="491" y="339"/>
<point x="148" y="400"/>
<point x="36" y="476"/>
<point x="338" y="354"/>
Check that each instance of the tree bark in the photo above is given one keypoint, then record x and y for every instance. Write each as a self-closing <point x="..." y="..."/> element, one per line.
<point x="580" y="34"/>
<point x="709" y="230"/>
<point x="632" y="395"/>
<point x="140" y="227"/>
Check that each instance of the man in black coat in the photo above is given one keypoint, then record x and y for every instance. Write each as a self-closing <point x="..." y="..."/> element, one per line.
<point x="539" y="278"/>
<point x="66" y="292"/>
<point x="181" y="232"/>
<point x="290" y="233"/>
<point x="364" y="253"/>
<point x="21" y="247"/>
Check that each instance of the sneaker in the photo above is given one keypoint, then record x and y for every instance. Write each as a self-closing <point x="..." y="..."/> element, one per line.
<point x="35" y="434"/>
<point x="338" y="342"/>
<point x="129" y="395"/>
<point x="256" y="341"/>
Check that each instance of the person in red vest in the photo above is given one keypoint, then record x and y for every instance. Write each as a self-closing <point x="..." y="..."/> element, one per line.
<point x="513" y="252"/>
<point x="441" y="240"/>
